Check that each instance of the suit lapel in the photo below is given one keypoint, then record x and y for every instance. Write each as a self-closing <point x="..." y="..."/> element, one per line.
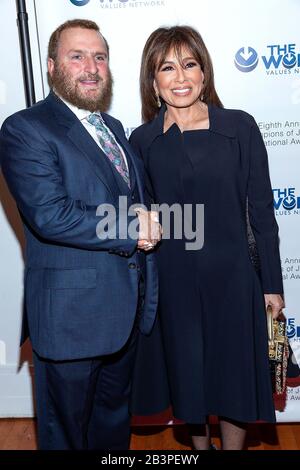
<point x="84" y="143"/>
<point x="88" y="147"/>
<point x="135" y="169"/>
<point x="131" y="171"/>
<point x="101" y="164"/>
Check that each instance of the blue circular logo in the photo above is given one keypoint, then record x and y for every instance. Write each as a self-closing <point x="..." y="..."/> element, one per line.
<point x="289" y="60"/>
<point x="289" y="203"/>
<point x="290" y="331"/>
<point x="246" y="59"/>
<point x="79" y="3"/>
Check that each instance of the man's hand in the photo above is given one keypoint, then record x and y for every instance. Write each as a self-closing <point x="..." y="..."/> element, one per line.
<point x="275" y="302"/>
<point x="150" y="229"/>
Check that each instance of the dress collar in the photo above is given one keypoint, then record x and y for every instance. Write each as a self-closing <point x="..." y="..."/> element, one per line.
<point x="218" y="122"/>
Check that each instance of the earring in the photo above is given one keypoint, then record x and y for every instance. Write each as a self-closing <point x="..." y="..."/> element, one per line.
<point x="202" y="96"/>
<point x="158" y="102"/>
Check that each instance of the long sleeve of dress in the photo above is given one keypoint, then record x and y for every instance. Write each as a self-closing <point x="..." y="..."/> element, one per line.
<point x="261" y="215"/>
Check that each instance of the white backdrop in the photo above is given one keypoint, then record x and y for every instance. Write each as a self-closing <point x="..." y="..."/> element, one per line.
<point x="256" y="58"/>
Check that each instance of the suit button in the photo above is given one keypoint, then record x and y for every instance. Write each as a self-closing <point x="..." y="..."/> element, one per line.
<point x="121" y="253"/>
<point x="132" y="265"/>
<point x="132" y="197"/>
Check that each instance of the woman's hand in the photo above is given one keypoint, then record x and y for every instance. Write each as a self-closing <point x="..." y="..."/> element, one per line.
<point x="275" y="302"/>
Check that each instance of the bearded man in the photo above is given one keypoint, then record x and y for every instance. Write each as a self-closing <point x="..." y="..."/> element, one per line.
<point x="88" y="284"/>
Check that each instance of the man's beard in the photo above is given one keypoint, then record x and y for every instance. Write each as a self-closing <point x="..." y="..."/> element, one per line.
<point x="68" y="89"/>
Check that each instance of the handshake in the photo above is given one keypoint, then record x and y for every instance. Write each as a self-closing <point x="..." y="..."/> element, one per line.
<point x="150" y="229"/>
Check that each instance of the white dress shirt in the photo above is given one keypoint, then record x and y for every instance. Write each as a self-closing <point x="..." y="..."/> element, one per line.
<point x="82" y="115"/>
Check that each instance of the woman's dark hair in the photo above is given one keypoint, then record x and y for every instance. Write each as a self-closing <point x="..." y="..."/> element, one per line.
<point x="159" y="43"/>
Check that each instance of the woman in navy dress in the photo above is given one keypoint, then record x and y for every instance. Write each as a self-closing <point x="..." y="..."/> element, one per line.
<point x="213" y="357"/>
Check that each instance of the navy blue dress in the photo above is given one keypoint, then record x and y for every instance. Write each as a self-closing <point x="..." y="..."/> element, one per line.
<point x="207" y="354"/>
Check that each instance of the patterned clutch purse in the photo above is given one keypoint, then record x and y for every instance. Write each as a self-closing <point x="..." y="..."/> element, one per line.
<point x="278" y="352"/>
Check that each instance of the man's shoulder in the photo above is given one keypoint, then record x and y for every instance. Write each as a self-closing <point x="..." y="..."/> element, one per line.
<point x="36" y="113"/>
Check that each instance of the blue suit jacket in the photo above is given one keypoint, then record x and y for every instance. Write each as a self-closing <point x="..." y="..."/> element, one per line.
<point x="80" y="292"/>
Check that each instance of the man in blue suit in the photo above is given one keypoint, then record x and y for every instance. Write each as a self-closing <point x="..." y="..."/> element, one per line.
<point x="88" y="283"/>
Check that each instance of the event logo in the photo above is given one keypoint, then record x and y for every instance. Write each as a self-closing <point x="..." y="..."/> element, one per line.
<point x="286" y="202"/>
<point x="122" y="3"/>
<point x="246" y="59"/>
<point x="278" y="59"/>
<point x="292" y="330"/>
<point x="79" y="3"/>
<point x="281" y="56"/>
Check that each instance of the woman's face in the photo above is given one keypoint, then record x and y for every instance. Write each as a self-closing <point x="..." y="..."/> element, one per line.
<point x="179" y="83"/>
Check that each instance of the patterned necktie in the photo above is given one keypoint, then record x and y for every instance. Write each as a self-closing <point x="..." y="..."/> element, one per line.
<point x="109" y="145"/>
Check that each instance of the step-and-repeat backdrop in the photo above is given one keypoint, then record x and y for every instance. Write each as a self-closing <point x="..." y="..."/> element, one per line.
<point x="255" y="47"/>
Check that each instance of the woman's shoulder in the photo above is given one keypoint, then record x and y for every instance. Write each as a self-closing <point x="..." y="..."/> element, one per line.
<point x="231" y="122"/>
<point x="143" y="135"/>
<point x="237" y="115"/>
<point x="140" y="131"/>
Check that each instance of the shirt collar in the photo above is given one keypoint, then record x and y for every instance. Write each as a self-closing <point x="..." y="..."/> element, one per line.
<point x="218" y="122"/>
<point x="81" y="114"/>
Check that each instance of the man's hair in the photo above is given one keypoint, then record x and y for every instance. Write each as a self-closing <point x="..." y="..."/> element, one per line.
<point x="77" y="23"/>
